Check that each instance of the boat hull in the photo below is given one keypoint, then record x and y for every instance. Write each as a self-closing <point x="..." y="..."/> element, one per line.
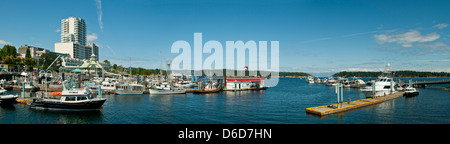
<point x="8" y="99"/>
<point x="162" y="91"/>
<point x="207" y="91"/>
<point x="378" y="93"/>
<point x="127" y="92"/>
<point x="83" y="105"/>
<point x="411" y="94"/>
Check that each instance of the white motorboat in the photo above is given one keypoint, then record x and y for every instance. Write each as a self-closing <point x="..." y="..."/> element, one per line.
<point x="411" y="91"/>
<point x="6" y="98"/>
<point x="383" y="86"/>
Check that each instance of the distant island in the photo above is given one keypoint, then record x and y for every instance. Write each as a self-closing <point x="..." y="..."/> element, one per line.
<point x="293" y="74"/>
<point x="396" y="74"/>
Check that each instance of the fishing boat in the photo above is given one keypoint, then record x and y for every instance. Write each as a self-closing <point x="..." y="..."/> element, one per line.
<point x="211" y="87"/>
<point x="6" y="98"/>
<point x="130" y="89"/>
<point x="383" y="86"/>
<point x="70" y="99"/>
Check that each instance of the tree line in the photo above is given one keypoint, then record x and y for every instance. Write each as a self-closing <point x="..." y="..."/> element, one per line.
<point x="395" y="73"/>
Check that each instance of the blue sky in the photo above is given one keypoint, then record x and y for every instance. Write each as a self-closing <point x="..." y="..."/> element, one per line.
<point x="315" y="36"/>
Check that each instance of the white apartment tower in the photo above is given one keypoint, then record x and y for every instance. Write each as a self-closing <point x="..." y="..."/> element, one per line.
<point x="73" y="39"/>
<point x="73" y="30"/>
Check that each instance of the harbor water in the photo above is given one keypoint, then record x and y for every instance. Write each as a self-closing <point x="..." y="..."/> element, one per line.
<point x="283" y="104"/>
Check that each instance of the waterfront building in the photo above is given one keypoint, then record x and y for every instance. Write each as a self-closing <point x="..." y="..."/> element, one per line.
<point x="35" y="52"/>
<point x="244" y="83"/>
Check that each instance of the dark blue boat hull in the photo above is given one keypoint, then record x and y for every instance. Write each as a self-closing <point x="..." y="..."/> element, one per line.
<point x="91" y="105"/>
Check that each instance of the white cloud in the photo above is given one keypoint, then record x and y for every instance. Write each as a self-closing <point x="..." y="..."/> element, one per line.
<point x="441" y="25"/>
<point x="92" y="37"/>
<point x="406" y="39"/>
<point x="5" y="42"/>
<point x="98" y="3"/>
<point x="434" y="47"/>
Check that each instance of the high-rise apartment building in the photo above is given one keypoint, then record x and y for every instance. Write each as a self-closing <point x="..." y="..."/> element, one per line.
<point x="73" y="30"/>
<point x="73" y="39"/>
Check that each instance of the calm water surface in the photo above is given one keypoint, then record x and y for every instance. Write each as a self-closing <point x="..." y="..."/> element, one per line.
<point x="285" y="103"/>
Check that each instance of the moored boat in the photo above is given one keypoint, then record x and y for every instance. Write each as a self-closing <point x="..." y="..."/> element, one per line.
<point x="130" y="89"/>
<point x="70" y="99"/>
<point x="166" y="91"/>
<point x="6" y="98"/>
<point x="411" y="91"/>
<point x="211" y="87"/>
<point x="383" y="86"/>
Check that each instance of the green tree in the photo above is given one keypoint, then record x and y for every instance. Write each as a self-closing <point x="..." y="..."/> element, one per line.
<point x="47" y="59"/>
<point x="29" y="62"/>
<point x="28" y="55"/>
<point x="9" y="50"/>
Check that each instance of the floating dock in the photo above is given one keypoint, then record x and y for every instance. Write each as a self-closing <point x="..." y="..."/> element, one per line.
<point x="352" y="105"/>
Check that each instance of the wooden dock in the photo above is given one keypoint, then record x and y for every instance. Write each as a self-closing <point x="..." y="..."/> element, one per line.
<point x="346" y="106"/>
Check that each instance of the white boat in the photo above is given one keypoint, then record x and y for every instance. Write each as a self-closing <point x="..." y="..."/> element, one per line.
<point x="185" y="84"/>
<point x="108" y="86"/>
<point x="70" y="99"/>
<point x="411" y="91"/>
<point x="331" y="82"/>
<point x="6" y="98"/>
<point x="356" y="83"/>
<point x="383" y="86"/>
<point x="130" y="89"/>
<point x="310" y="80"/>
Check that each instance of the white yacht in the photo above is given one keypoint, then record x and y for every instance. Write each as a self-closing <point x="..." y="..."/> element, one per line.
<point x="383" y="86"/>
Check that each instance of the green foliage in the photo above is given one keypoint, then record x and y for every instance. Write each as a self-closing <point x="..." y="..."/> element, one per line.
<point x="298" y="74"/>
<point x="47" y="58"/>
<point x="28" y="55"/>
<point x="8" y="50"/>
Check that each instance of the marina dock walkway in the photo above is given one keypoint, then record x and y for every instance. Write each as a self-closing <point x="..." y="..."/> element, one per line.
<point x="346" y="106"/>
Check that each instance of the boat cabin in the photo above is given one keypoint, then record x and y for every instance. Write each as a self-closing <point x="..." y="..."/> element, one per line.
<point x="133" y="87"/>
<point x="244" y="83"/>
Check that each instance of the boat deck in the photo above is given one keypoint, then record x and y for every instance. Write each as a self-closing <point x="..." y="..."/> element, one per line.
<point x="346" y="106"/>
